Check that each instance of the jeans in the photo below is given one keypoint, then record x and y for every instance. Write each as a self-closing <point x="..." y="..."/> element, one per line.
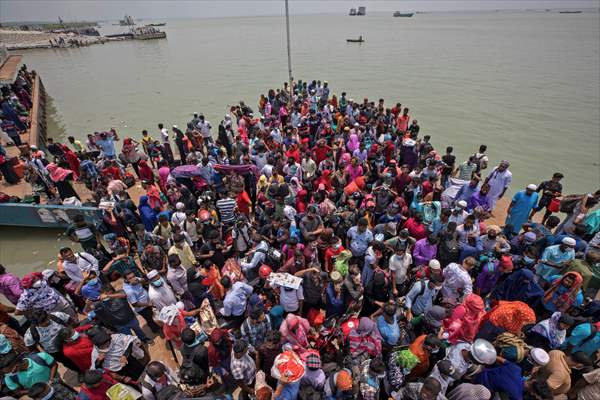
<point x="134" y="325"/>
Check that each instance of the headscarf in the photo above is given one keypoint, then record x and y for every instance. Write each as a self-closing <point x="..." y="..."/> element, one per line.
<point x="565" y="300"/>
<point x="146" y="173"/>
<point x="434" y="316"/>
<point x="219" y="347"/>
<point x="365" y="339"/>
<point x="341" y="262"/>
<point x="29" y="278"/>
<point x="519" y="285"/>
<point x="511" y="316"/>
<point x="262" y="183"/>
<point x="406" y="359"/>
<point x="58" y="174"/>
<point x="464" y="322"/>
<point x="294" y="330"/>
<point x="549" y="329"/>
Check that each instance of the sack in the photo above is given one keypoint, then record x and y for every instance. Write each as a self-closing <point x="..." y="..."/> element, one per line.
<point x="129" y="180"/>
<point x="122" y="392"/>
<point x="554" y="205"/>
<point x="568" y="203"/>
<point x="232" y="270"/>
<point x="207" y="317"/>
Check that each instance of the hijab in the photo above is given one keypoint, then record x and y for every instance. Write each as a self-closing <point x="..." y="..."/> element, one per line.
<point x="294" y="330"/>
<point x="466" y="317"/>
<point x="549" y="329"/>
<point x="519" y="285"/>
<point x="564" y="301"/>
<point x="511" y="316"/>
<point x="58" y="174"/>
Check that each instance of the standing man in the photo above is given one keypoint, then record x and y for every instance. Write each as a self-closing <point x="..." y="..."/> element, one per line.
<point x="499" y="180"/>
<point x="550" y="189"/>
<point x="520" y="207"/>
<point x="204" y="128"/>
<point x="164" y="135"/>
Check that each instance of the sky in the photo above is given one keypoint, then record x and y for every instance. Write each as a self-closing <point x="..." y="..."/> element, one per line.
<point x="73" y="10"/>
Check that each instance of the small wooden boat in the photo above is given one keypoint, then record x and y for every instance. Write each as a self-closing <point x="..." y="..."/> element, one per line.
<point x="359" y="40"/>
<point x="399" y="14"/>
<point x="570" y="12"/>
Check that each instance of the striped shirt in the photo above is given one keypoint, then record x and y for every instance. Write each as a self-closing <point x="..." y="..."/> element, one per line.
<point x="226" y="207"/>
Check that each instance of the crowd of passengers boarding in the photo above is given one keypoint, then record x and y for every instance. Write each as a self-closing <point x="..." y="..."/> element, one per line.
<point x="318" y="248"/>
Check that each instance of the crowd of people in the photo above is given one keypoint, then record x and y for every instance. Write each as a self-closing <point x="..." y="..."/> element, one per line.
<point x="319" y="248"/>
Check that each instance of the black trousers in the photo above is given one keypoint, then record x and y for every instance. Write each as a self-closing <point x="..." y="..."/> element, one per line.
<point x="148" y="316"/>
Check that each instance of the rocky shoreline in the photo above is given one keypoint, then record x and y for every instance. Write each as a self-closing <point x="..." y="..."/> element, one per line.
<point x="22" y="40"/>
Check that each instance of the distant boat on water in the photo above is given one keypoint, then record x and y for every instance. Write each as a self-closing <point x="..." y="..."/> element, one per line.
<point x="127" y="21"/>
<point x="147" y="32"/>
<point x="159" y="24"/>
<point x="570" y="12"/>
<point x="362" y="11"/>
<point x="352" y="12"/>
<point x="359" y="40"/>
<point x="399" y="14"/>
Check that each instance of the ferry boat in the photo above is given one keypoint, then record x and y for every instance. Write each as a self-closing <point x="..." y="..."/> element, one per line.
<point x="362" y="11"/>
<point x="352" y="12"/>
<point x="148" y="32"/>
<point x="399" y="14"/>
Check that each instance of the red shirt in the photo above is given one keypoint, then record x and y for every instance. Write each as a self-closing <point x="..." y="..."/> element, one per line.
<point x="416" y="229"/>
<point x="321" y="153"/>
<point x="243" y="203"/>
<point x="80" y="352"/>
<point x="97" y="393"/>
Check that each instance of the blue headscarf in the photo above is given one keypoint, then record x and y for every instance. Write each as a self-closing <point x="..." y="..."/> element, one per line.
<point x="519" y="286"/>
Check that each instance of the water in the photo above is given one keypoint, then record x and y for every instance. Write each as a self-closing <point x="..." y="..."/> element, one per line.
<point x="525" y="83"/>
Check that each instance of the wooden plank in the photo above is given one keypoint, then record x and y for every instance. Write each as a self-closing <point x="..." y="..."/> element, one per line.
<point x="8" y="70"/>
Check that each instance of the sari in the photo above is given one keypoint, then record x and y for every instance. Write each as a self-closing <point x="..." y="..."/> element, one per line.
<point x="464" y="322"/>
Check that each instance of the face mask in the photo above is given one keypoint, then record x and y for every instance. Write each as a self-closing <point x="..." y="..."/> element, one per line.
<point x="434" y="351"/>
<point x="37" y="284"/>
<point x="157" y="283"/>
<point x="405" y="371"/>
<point x="75" y="335"/>
<point x="381" y="376"/>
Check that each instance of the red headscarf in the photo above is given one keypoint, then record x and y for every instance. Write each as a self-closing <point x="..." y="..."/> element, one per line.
<point x="565" y="300"/>
<point x="511" y="316"/>
<point x="465" y="319"/>
<point x="146" y="173"/>
<point x="29" y="278"/>
<point x="58" y="174"/>
<point x="214" y="355"/>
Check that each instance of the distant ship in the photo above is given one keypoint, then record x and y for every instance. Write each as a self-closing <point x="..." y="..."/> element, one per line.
<point x="159" y="24"/>
<point x="148" y="32"/>
<point x="362" y="11"/>
<point x="399" y="14"/>
<point x="352" y="12"/>
<point x="127" y="21"/>
<point x="570" y="12"/>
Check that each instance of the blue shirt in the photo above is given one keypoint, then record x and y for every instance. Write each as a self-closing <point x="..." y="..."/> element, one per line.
<point x="91" y="292"/>
<point x="107" y="146"/>
<point x="581" y="339"/>
<point x="359" y="242"/>
<point x="556" y="255"/>
<point x="560" y="291"/>
<point x="420" y="303"/>
<point x="136" y="294"/>
<point x="389" y="332"/>
<point x="289" y="391"/>
<point x="235" y="300"/>
<point x="334" y="306"/>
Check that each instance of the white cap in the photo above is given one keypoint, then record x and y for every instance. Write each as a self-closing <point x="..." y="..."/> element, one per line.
<point x="462" y="204"/>
<point x="569" y="241"/>
<point x="531" y="186"/>
<point x="434" y="264"/>
<point x="175" y="126"/>
<point x="152" y="274"/>
<point x="539" y="356"/>
<point x="180" y="206"/>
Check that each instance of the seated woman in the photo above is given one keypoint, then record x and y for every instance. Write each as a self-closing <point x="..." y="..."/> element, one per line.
<point x="550" y="333"/>
<point x="564" y="293"/>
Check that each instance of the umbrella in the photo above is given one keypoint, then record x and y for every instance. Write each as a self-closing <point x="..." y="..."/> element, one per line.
<point x="185" y="171"/>
<point x="288" y="367"/>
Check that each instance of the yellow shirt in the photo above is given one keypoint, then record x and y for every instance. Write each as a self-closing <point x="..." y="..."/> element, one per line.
<point x="186" y="255"/>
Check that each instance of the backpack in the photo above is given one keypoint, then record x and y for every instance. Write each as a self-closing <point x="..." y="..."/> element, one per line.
<point x="35" y="334"/>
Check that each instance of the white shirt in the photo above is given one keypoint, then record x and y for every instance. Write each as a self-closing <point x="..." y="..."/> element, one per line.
<point x="454" y="354"/>
<point x="455" y="278"/>
<point x="204" y="128"/>
<point x="164" y="134"/>
<point x="84" y="262"/>
<point x="399" y="265"/>
<point x="161" y="296"/>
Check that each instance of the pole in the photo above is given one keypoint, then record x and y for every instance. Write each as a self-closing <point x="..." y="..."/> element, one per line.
<point x="289" y="54"/>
